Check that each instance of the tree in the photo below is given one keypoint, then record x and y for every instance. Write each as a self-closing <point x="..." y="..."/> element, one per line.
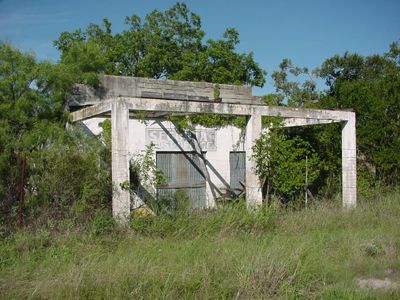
<point x="281" y="154"/>
<point x="370" y="86"/>
<point x="165" y="44"/>
<point x="33" y="96"/>
<point x="28" y="108"/>
<point x="295" y="93"/>
<point x="61" y="168"/>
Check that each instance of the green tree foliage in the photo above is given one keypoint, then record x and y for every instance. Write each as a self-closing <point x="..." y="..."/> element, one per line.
<point x="62" y="172"/>
<point x="32" y="120"/>
<point x="281" y="163"/>
<point x="165" y="44"/>
<point x="30" y="108"/>
<point x="67" y="172"/>
<point x="69" y="176"/>
<point x="295" y="93"/>
<point x="370" y="86"/>
<point x="280" y="154"/>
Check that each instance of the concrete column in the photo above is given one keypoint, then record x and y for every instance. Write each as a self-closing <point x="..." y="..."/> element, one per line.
<point x="120" y="161"/>
<point x="253" y="189"/>
<point x="349" y="170"/>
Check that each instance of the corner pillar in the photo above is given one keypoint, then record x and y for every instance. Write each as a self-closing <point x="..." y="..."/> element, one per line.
<point x="253" y="189"/>
<point x="349" y="164"/>
<point x="120" y="161"/>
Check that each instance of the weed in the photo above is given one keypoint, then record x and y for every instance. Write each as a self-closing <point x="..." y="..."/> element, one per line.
<point x="314" y="253"/>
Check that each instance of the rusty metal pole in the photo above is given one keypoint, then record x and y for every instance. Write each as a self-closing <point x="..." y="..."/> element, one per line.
<point x="21" y="194"/>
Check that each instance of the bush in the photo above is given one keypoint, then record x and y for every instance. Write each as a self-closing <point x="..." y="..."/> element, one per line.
<point x="102" y="223"/>
<point x="69" y="177"/>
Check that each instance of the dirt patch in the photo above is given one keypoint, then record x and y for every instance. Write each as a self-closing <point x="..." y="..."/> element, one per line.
<point x="388" y="283"/>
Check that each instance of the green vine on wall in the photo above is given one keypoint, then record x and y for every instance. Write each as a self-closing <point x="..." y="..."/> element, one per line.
<point x="217" y="94"/>
<point x="186" y="123"/>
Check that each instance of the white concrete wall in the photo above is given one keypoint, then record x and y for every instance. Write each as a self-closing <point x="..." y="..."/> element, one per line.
<point x="217" y="143"/>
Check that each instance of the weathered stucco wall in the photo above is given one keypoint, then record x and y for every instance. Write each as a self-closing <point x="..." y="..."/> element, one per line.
<point x="217" y="143"/>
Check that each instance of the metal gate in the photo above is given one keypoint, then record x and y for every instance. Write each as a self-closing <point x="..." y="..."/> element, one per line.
<point x="183" y="171"/>
<point x="237" y="163"/>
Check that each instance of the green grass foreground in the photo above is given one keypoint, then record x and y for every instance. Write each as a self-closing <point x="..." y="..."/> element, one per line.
<point x="319" y="252"/>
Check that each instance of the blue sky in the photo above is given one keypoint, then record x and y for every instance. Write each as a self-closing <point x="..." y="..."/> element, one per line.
<point x="307" y="31"/>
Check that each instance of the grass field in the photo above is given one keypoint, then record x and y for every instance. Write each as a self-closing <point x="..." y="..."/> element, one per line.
<point x="321" y="252"/>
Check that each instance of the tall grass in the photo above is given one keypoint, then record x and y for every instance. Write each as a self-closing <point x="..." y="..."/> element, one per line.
<point x="317" y="253"/>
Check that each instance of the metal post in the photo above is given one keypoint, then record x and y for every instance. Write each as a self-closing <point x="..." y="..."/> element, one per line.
<point x="21" y="192"/>
<point x="306" y="183"/>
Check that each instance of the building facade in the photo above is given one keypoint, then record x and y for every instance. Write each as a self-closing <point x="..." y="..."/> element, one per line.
<point x="206" y="168"/>
<point x="206" y="163"/>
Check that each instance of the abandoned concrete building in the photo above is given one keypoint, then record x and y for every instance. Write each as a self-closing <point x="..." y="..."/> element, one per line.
<point x="208" y="164"/>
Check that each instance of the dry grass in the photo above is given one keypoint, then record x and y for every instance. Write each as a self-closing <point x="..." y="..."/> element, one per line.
<point x="315" y="253"/>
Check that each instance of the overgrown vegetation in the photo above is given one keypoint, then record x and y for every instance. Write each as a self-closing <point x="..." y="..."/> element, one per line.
<point x="354" y="82"/>
<point x="70" y="246"/>
<point x="282" y="162"/>
<point x="370" y="86"/>
<point x="33" y="98"/>
<point x="170" y="45"/>
<point x="317" y="253"/>
<point x="66" y="172"/>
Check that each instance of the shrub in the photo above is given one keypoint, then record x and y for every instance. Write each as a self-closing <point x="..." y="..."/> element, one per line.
<point x="102" y="223"/>
<point x="70" y="176"/>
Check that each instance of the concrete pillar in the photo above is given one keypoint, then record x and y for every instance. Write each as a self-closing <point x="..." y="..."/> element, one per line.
<point x="349" y="170"/>
<point x="253" y="189"/>
<point x="120" y="161"/>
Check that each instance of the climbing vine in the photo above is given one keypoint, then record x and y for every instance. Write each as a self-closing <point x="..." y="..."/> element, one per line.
<point x="184" y="123"/>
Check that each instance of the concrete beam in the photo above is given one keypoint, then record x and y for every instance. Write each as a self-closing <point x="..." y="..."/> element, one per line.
<point x="193" y="107"/>
<point x="122" y="86"/>
<point x="349" y="163"/>
<point x="294" y="122"/>
<point x="91" y="111"/>
<point x="253" y="189"/>
<point x="120" y="161"/>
